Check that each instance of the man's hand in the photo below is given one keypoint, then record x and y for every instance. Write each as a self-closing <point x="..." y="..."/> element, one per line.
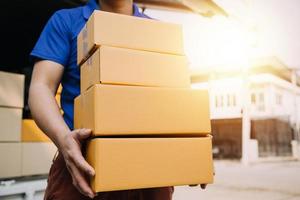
<point x="75" y="162"/>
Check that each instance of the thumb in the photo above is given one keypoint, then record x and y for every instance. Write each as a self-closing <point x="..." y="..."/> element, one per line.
<point x="82" y="134"/>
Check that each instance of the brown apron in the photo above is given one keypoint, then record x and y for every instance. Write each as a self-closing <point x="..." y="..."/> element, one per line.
<point x="60" y="187"/>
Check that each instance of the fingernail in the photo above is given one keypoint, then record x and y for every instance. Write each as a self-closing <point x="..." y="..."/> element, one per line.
<point x="92" y="173"/>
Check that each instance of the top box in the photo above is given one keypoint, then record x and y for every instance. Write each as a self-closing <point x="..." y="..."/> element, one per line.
<point x="11" y="90"/>
<point x="111" y="29"/>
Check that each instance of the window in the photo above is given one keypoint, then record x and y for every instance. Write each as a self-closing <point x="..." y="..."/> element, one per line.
<point x="253" y="98"/>
<point x="229" y="103"/>
<point x="227" y="100"/>
<point x="261" y="97"/>
<point x="261" y="102"/>
<point x="221" y="101"/>
<point x="233" y="100"/>
<point x="216" y="101"/>
<point x="278" y="99"/>
<point x="258" y="100"/>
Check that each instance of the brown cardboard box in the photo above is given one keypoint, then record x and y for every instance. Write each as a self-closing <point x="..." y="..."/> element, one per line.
<point x="10" y="159"/>
<point x="37" y="158"/>
<point x="59" y="89"/>
<point x="132" y="110"/>
<point x="32" y="133"/>
<point x="77" y="112"/>
<point x="113" y="65"/>
<point x="11" y="90"/>
<point x="58" y="97"/>
<point x="131" y="163"/>
<point x="10" y="124"/>
<point x="111" y="29"/>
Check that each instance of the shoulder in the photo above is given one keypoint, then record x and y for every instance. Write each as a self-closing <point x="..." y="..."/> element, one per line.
<point x="71" y="13"/>
<point x="65" y="20"/>
<point x="67" y="16"/>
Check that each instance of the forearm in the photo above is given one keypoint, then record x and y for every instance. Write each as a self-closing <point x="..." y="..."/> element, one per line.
<point x="46" y="113"/>
<point x="45" y="79"/>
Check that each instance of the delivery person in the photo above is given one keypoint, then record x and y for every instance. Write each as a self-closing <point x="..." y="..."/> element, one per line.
<point x="55" y="56"/>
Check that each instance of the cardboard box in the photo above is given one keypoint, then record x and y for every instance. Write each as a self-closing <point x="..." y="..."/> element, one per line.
<point x="10" y="156"/>
<point x="111" y="29"/>
<point x="131" y="110"/>
<point x="113" y="65"/>
<point x="58" y="99"/>
<point x="10" y="124"/>
<point x="77" y="112"/>
<point x="59" y="89"/>
<point x="11" y="90"/>
<point x="132" y="163"/>
<point x="37" y="158"/>
<point x="32" y="133"/>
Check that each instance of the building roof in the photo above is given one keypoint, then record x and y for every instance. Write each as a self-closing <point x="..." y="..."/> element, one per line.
<point x="272" y="65"/>
<point x="203" y="7"/>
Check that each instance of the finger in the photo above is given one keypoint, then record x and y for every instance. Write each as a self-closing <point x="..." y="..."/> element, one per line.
<point x="203" y="186"/>
<point x="74" y="182"/>
<point x="84" y="185"/>
<point x="80" y="182"/>
<point x="82" y="134"/>
<point x="83" y="165"/>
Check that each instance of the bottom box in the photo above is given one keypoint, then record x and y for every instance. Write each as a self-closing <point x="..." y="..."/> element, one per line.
<point x="132" y="163"/>
<point x="37" y="158"/>
<point x="10" y="160"/>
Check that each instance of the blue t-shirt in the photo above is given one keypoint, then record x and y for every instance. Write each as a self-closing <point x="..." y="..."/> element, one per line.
<point x="58" y="43"/>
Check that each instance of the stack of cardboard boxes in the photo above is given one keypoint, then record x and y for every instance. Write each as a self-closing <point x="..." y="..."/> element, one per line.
<point x="24" y="149"/>
<point x="37" y="150"/>
<point x="11" y="105"/>
<point x="150" y="129"/>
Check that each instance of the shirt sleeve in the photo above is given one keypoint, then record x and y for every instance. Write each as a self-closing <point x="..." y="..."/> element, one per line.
<point x="54" y="41"/>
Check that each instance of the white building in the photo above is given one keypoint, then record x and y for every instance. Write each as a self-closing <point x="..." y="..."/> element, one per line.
<point x="268" y="91"/>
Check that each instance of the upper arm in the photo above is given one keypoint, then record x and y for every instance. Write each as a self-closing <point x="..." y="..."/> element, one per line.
<point x="47" y="73"/>
<point x="52" y="50"/>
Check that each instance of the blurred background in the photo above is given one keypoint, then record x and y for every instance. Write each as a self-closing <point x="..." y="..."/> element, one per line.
<point x="245" y="52"/>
